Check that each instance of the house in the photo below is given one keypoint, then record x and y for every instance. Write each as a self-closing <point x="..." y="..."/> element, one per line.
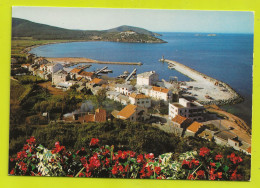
<point x="147" y="78"/>
<point x="82" y="89"/>
<point x="141" y="100"/>
<point x="53" y="67"/>
<point x="124" y="89"/>
<point x="133" y="113"/>
<point x="75" y="73"/>
<point x="222" y="137"/>
<point x="160" y="93"/>
<point x="112" y="94"/>
<point x="193" y="129"/>
<point x="87" y="75"/>
<point x="40" y="61"/>
<point x="100" y="115"/>
<point x="181" y="122"/>
<point x="60" y="76"/>
<point x="97" y="82"/>
<point x="122" y="99"/>
<point x="207" y="134"/>
<point x="25" y="66"/>
<point x="185" y="108"/>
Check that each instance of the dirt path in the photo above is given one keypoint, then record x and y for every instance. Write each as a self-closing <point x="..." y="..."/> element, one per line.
<point x="52" y="90"/>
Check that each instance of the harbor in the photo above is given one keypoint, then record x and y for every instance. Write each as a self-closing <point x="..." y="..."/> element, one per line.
<point x="203" y="88"/>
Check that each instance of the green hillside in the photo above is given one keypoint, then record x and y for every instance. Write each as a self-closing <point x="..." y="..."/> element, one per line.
<point x="131" y="28"/>
<point x="26" y="28"/>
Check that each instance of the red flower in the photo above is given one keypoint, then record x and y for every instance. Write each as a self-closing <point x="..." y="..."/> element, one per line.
<point x="12" y="172"/>
<point x="212" y="164"/>
<point x="219" y="175"/>
<point x="235" y="159"/>
<point x="94" y="142"/>
<point x="31" y="141"/>
<point x="204" y="151"/>
<point x="114" y="170"/>
<point x="157" y="170"/>
<point x="121" y="168"/>
<point x="186" y="164"/>
<point x="235" y="176"/>
<point x="140" y="158"/>
<point x="191" y="177"/>
<point x="195" y="162"/>
<point x="81" y="174"/>
<point x="218" y="157"/>
<point x="57" y="148"/>
<point x="200" y="174"/>
<point x="149" y="156"/>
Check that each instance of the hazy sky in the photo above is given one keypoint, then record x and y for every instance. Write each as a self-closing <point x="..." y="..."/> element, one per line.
<point x="154" y="20"/>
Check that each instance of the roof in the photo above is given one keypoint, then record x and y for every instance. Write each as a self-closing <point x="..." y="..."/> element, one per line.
<point x="100" y="115"/>
<point x="138" y="96"/>
<point x="178" y="105"/>
<point x="195" y="126"/>
<point x="123" y="97"/>
<point x="79" y="78"/>
<point x="89" y="118"/>
<point x="225" y="135"/>
<point x="160" y="89"/>
<point x="179" y="119"/>
<point x="75" y="70"/>
<point x="206" y="134"/>
<point x="43" y="65"/>
<point x="84" y="73"/>
<point x="127" y="111"/>
<point x="96" y="81"/>
<point x="114" y="113"/>
<point x="146" y="74"/>
<point x="249" y="149"/>
<point x="124" y="86"/>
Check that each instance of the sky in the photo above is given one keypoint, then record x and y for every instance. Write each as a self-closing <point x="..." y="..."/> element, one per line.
<point x="150" y="19"/>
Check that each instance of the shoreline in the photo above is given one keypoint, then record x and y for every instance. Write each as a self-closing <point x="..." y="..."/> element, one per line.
<point x="78" y="60"/>
<point x="221" y="92"/>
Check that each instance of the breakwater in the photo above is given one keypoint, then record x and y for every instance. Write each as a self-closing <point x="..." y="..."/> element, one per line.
<point x="209" y="83"/>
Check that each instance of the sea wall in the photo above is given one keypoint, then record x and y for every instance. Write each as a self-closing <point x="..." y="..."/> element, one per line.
<point x="236" y="98"/>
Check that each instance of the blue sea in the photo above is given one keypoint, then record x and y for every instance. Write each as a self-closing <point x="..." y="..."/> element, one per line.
<point x="226" y="57"/>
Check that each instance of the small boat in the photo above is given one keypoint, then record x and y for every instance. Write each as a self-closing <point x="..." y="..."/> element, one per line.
<point x="171" y="67"/>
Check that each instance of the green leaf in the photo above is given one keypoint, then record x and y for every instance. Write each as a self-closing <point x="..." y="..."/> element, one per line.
<point x="217" y="164"/>
<point x="225" y="168"/>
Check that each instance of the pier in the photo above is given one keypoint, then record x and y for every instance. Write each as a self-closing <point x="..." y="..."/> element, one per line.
<point x="130" y="75"/>
<point x="205" y="89"/>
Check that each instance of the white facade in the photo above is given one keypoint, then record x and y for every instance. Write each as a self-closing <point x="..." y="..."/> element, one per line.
<point x="140" y="100"/>
<point x="124" y="89"/>
<point x="147" y="78"/>
<point x="53" y="67"/>
<point x="159" y="93"/>
<point x="185" y="108"/>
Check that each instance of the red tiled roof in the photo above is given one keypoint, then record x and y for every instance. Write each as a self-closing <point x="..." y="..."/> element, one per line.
<point x="179" y="119"/>
<point x="127" y="111"/>
<point x="138" y="96"/>
<point x="160" y="89"/>
<point x="84" y="73"/>
<point x="249" y="149"/>
<point x="96" y="81"/>
<point x="100" y="115"/>
<point x="79" y="78"/>
<point x="195" y="126"/>
<point x="75" y="70"/>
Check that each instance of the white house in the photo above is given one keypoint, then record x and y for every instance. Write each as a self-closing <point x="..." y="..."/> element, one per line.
<point x="160" y="93"/>
<point x="185" y="108"/>
<point x="139" y="99"/>
<point x="59" y="77"/>
<point x="124" y="89"/>
<point x="53" y="67"/>
<point x="147" y="78"/>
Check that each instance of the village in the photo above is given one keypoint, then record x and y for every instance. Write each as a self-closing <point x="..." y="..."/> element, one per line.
<point x="167" y="105"/>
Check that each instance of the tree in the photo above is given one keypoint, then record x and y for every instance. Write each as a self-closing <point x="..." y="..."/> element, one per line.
<point x="101" y="96"/>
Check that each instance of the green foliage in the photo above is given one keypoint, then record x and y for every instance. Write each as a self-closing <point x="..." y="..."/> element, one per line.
<point x="29" y="79"/>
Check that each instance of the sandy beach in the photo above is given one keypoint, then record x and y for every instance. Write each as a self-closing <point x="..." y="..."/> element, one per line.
<point x="87" y="60"/>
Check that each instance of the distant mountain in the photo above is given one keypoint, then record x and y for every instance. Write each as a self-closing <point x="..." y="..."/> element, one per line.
<point x="26" y="28"/>
<point x="132" y="28"/>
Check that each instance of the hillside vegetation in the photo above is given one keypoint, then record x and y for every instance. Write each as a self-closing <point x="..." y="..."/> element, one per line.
<point x="26" y="28"/>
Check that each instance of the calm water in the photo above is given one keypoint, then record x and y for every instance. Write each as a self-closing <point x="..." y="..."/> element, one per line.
<point x="226" y="57"/>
